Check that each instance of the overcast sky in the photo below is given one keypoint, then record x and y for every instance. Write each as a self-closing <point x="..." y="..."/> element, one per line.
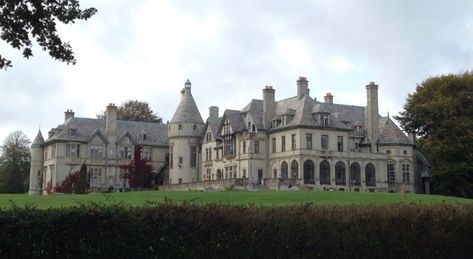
<point x="230" y="50"/>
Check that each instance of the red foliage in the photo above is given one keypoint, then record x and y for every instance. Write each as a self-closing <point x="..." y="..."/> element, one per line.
<point x="73" y="182"/>
<point x="68" y="184"/>
<point x="139" y="171"/>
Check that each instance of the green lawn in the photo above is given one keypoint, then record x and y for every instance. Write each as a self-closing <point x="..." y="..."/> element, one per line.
<point x="265" y="198"/>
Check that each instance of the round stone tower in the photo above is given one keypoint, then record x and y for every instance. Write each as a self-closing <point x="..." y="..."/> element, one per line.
<point x="185" y="130"/>
<point x="36" y="169"/>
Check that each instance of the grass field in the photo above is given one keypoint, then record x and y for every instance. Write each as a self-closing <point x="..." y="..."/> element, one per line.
<point x="263" y="198"/>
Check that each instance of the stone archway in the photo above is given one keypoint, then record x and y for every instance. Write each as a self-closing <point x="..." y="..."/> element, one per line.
<point x="284" y="169"/>
<point x="324" y="169"/>
<point x="309" y="172"/>
<point x="294" y="169"/>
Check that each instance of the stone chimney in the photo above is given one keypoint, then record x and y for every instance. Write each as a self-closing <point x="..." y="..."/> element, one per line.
<point x="372" y="115"/>
<point x="111" y="120"/>
<point x="328" y="98"/>
<point x="213" y="113"/>
<point x="68" y="114"/>
<point x="269" y="106"/>
<point x="302" y="87"/>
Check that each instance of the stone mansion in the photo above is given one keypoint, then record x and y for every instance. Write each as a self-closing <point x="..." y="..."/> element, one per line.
<point x="298" y="143"/>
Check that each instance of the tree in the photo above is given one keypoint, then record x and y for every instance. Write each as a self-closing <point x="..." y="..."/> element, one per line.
<point x="139" y="171"/>
<point x="134" y="110"/>
<point x="440" y="112"/>
<point x="75" y="182"/>
<point x="23" y="20"/>
<point x="15" y="163"/>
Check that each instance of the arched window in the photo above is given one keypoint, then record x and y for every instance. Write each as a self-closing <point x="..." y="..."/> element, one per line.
<point x="370" y="175"/>
<point x="284" y="169"/>
<point x="324" y="172"/>
<point x="340" y="173"/>
<point x="219" y="174"/>
<point x="294" y="169"/>
<point x="309" y="174"/>
<point x="355" y="175"/>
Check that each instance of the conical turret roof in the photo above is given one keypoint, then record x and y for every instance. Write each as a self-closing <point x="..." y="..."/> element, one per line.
<point x="39" y="140"/>
<point x="187" y="111"/>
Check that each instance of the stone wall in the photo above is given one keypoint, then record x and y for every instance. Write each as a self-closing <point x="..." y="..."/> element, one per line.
<point x="215" y="185"/>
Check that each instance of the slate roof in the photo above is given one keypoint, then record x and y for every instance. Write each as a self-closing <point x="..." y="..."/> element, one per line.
<point x="389" y="133"/>
<point x="255" y="109"/>
<point x="187" y="111"/>
<point x="235" y="119"/>
<point x="214" y="125"/>
<point x="86" y="128"/>
<point x="38" y="141"/>
<point x="304" y="112"/>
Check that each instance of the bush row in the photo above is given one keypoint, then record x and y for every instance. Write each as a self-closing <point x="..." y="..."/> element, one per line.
<point x="217" y="231"/>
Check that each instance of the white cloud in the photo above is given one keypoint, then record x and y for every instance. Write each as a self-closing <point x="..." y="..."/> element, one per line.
<point x="230" y="50"/>
<point x="342" y="65"/>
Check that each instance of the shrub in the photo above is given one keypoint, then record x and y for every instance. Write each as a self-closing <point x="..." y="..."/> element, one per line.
<point x="215" y="231"/>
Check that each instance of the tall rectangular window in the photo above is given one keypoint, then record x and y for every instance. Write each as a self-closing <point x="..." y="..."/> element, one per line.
<point x="273" y="143"/>
<point x="293" y="141"/>
<point x="96" y="151"/>
<point x="97" y="178"/>
<point x="244" y="147"/>
<point x="193" y="156"/>
<point x="324" y="119"/>
<point x="146" y="153"/>
<point x="170" y="156"/>
<point x="283" y="143"/>
<point x="125" y="152"/>
<point x="229" y="143"/>
<point x="391" y="176"/>
<point x="308" y="141"/>
<point x="405" y="174"/>
<point x="73" y="150"/>
<point x="324" y="142"/>
<point x="256" y="146"/>
<point x="340" y="143"/>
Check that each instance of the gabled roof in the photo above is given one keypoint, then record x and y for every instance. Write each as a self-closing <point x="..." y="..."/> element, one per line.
<point x="390" y="133"/>
<point x="98" y="133"/>
<point x="86" y="128"/>
<point x="187" y="111"/>
<point x="235" y="119"/>
<point x="213" y="125"/>
<point x="255" y="110"/>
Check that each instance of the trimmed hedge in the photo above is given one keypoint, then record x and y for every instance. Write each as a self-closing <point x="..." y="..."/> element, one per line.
<point x="217" y="231"/>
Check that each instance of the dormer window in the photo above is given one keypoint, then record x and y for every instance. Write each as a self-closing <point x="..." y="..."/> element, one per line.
<point x="226" y="128"/>
<point x="143" y="135"/>
<point x="324" y="119"/>
<point x="73" y="132"/>
<point x="209" y="136"/>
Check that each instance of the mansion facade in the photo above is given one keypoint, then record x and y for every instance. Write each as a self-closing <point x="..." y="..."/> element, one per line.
<point x="298" y="142"/>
